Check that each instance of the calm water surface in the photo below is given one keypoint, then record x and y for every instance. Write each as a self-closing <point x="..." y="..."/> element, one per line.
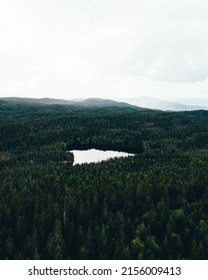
<point x="94" y="155"/>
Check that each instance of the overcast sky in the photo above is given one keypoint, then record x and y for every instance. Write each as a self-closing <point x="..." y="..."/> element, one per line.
<point x="104" y="48"/>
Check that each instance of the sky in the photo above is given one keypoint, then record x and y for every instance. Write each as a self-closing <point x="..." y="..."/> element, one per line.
<point x="104" y="48"/>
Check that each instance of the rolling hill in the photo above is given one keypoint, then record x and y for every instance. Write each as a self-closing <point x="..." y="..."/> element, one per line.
<point x="142" y="102"/>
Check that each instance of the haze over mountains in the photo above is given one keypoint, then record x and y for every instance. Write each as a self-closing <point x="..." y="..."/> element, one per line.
<point x="141" y="102"/>
<point x="195" y="101"/>
<point x="164" y="105"/>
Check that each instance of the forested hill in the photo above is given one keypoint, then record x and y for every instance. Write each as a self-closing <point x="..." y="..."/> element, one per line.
<point x="150" y="206"/>
<point x="89" y="102"/>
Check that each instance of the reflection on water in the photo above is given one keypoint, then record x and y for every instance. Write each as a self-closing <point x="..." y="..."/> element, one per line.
<point x="94" y="155"/>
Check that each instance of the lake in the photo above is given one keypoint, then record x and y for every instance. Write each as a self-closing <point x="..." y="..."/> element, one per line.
<point x="93" y="155"/>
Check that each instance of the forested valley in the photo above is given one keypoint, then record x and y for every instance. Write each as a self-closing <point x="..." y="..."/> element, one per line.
<point x="153" y="205"/>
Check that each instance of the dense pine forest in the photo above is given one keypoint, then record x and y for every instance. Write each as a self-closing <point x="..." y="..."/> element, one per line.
<point x="153" y="205"/>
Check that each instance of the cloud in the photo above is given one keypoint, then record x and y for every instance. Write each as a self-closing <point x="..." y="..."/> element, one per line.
<point x="90" y="48"/>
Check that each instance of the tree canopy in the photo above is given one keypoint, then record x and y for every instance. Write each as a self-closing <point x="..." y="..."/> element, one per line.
<point x="150" y="206"/>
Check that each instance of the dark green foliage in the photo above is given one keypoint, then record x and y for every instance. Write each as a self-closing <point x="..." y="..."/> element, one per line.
<point x="150" y="206"/>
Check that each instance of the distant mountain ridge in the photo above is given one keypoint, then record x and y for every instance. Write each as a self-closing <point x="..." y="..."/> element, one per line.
<point x="141" y="103"/>
<point x="103" y="102"/>
<point x="89" y="102"/>
<point x="46" y="100"/>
